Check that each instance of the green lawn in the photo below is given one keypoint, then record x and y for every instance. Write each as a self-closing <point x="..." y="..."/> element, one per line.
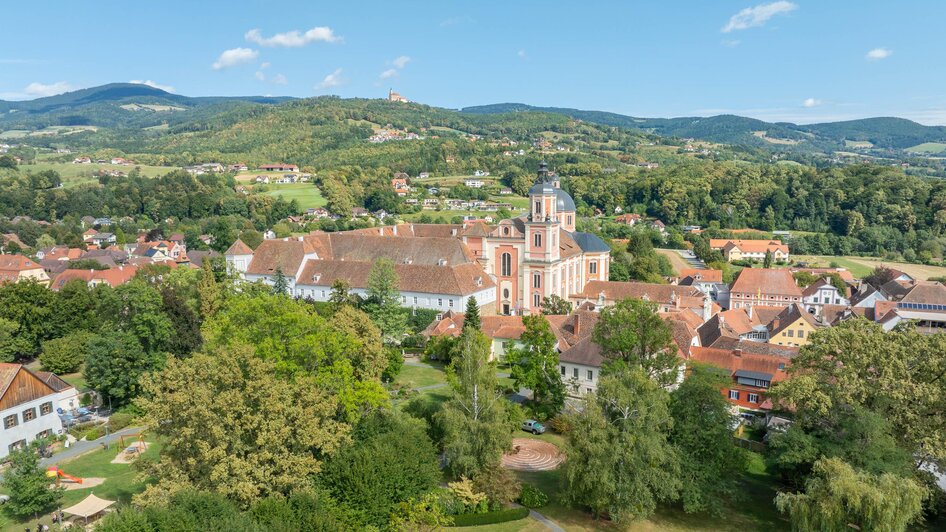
<point x="77" y="380"/>
<point x="419" y="376"/>
<point x="307" y="194"/>
<point x="756" y="512"/>
<point x="122" y="481"/>
<point x="929" y="148"/>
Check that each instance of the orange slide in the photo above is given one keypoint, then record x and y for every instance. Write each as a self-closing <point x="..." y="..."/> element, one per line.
<point x="54" y="471"/>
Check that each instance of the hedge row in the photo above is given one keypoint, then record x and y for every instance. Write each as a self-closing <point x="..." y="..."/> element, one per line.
<point x="491" y="518"/>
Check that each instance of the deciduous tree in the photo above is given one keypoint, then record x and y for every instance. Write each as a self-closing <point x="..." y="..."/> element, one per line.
<point x="535" y="364"/>
<point x="630" y="332"/>
<point x="269" y="433"/>
<point x="837" y="497"/>
<point x="619" y="462"/>
<point x="27" y="485"/>
<point x="384" y="301"/>
<point x="476" y="420"/>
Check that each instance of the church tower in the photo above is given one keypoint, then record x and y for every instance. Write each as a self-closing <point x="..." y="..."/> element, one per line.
<point x="542" y="246"/>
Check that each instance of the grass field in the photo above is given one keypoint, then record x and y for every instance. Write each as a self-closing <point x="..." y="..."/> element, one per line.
<point x="307" y="194"/>
<point x="929" y="147"/>
<point x="418" y="376"/>
<point x="862" y="266"/>
<point x="675" y="259"/>
<point x="78" y="173"/>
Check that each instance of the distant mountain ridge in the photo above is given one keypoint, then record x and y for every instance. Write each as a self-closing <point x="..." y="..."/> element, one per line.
<point x="884" y="132"/>
<point x="136" y="106"/>
<point x="102" y="107"/>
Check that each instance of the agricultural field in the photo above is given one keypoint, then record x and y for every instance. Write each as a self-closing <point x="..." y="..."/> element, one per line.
<point x="862" y="266"/>
<point x="47" y="131"/>
<point x="73" y="174"/>
<point x="858" y="144"/>
<point x="307" y="194"/>
<point x="930" y="148"/>
<point x="675" y="259"/>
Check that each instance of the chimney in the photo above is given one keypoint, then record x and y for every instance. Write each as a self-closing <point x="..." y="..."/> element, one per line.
<point x="737" y="353"/>
<point x="394" y="229"/>
<point x="707" y="308"/>
<point x="749" y="311"/>
<point x="299" y="238"/>
<point x="577" y="324"/>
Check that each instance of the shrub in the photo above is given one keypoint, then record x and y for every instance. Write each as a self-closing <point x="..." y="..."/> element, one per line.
<point x="491" y="518"/>
<point x="94" y="433"/>
<point x="120" y="420"/>
<point x="561" y="424"/>
<point x="532" y="497"/>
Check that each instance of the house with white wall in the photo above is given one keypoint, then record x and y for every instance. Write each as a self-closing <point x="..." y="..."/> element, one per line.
<point x="28" y="405"/>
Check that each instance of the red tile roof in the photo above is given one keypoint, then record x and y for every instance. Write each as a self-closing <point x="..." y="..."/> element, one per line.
<point x="766" y="281"/>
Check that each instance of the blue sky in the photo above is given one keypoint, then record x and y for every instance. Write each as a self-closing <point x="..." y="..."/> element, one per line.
<point x="800" y="60"/>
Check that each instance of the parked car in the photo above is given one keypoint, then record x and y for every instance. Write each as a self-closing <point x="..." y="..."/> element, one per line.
<point x="533" y="426"/>
<point x="67" y="420"/>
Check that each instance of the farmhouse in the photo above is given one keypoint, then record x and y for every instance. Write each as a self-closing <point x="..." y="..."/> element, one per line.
<point x="28" y="405"/>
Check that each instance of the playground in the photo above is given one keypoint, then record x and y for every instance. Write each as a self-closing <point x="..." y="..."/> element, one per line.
<point x="95" y="473"/>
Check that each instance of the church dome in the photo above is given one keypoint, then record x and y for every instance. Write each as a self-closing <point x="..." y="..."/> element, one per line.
<point x="564" y="202"/>
<point x="542" y="188"/>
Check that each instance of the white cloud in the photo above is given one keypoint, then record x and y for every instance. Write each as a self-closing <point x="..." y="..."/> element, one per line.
<point x="294" y="38"/>
<point x="280" y="79"/>
<point x="332" y="80"/>
<point x="751" y="17"/>
<point x="811" y="102"/>
<point x="155" y="84"/>
<point x="234" y="57"/>
<point x="730" y="43"/>
<point x="521" y="54"/>
<point x="878" y="53"/>
<point x="264" y="65"/>
<point x="401" y="61"/>
<point x="40" y="90"/>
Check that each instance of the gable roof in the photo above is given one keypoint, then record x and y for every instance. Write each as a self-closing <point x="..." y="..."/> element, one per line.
<point x="690" y="297"/>
<point x="749" y="246"/>
<point x="790" y="315"/>
<point x="766" y="281"/>
<point x="283" y="255"/>
<point x="701" y="275"/>
<point x="743" y="363"/>
<point x="586" y="353"/>
<point x="460" y="279"/>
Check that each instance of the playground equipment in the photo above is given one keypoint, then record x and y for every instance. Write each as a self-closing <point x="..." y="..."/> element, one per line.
<point x="59" y="475"/>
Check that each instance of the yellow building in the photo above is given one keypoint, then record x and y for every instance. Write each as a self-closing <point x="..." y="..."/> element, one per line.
<point x="792" y="327"/>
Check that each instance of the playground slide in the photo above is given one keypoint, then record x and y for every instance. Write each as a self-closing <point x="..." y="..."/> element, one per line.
<point x="70" y="478"/>
<point x="58" y="474"/>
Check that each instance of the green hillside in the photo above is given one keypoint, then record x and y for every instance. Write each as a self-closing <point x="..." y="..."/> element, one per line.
<point x="889" y="133"/>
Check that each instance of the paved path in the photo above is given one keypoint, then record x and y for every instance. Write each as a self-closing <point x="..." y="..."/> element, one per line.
<point x="81" y="447"/>
<point x="549" y="524"/>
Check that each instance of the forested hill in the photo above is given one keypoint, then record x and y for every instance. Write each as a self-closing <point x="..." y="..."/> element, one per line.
<point x="885" y="133"/>
<point x="119" y="105"/>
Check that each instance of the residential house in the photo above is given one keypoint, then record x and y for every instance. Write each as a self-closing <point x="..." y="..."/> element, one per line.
<point x="793" y="326"/>
<point x="707" y="281"/>
<point x="113" y="277"/>
<point x="820" y="293"/>
<point x="750" y="249"/>
<point x="15" y="268"/>
<point x="28" y="406"/>
<point x="750" y="375"/>
<point x="474" y="183"/>
<point x="600" y="294"/>
<point x="628" y="219"/>
<point x="764" y="286"/>
<point x="399" y="184"/>
<point x="101" y="240"/>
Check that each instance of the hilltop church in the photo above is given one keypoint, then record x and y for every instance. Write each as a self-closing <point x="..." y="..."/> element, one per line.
<point x="508" y="268"/>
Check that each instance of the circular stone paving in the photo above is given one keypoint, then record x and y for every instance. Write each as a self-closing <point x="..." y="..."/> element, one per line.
<point x="532" y="455"/>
